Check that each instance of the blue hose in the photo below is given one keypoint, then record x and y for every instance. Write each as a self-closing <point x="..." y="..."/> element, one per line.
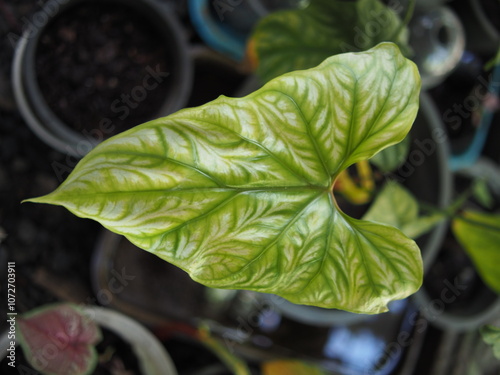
<point x="473" y="152"/>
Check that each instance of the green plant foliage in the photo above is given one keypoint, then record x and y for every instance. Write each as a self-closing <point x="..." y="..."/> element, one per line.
<point x="491" y="335"/>
<point x="227" y="356"/>
<point x="393" y="157"/>
<point x="481" y="193"/>
<point x="396" y="206"/>
<point x="302" y="38"/>
<point x="495" y="61"/>
<point x="238" y="192"/>
<point x="479" y="234"/>
<point x="290" y="367"/>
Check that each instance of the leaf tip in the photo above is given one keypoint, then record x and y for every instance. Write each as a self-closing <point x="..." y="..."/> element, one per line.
<point x="50" y="198"/>
<point x="41" y="199"/>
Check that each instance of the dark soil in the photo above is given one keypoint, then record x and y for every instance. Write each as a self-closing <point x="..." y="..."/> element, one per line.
<point x="115" y="354"/>
<point x="92" y="64"/>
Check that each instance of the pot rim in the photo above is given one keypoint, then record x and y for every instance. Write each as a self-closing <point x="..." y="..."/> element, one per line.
<point x="40" y="117"/>
<point x="454" y="322"/>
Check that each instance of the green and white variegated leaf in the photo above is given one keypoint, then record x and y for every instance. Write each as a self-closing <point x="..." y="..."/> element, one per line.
<point x="396" y="206"/>
<point x="393" y="157"/>
<point x="479" y="234"/>
<point x="302" y="38"/>
<point x="238" y="192"/>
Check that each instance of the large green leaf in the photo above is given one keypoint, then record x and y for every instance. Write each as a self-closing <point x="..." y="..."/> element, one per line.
<point x="393" y="157"/>
<point x="396" y="206"/>
<point x="238" y="192"/>
<point x="479" y="234"/>
<point x="302" y="38"/>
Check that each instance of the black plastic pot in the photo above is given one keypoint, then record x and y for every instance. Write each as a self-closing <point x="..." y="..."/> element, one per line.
<point x="149" y="289"/>
<point x="214" y="74"/>
<point x="453" y="296"/>
<point x="481" y="19"/>
<point x="426" y="172"/>
<point x="175" y="80"/>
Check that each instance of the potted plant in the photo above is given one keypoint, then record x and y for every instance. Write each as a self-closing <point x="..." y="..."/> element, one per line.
<point x="308" y="35"/>
<point x="241" y="244"/>
<point x="66" y="339"/>
<point x="402" y="186"/>
<point x="373" y="22"/>
<point x="302" y="38"/>
<point x="93" y="69"/>
<point x="460" y="291"/>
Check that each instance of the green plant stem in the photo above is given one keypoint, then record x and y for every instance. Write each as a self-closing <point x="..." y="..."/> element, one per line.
<point x="406" y="20"/>
<point x="237" y="366"/>
<point x="453" y="208"/>
<point x="455" y="215"/>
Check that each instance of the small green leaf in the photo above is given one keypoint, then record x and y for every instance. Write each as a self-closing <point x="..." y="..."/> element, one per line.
<point x="303" y="38"/>
<point x="491" y="335"/>
<point x="391" y="158"/>
<point x="396" y="206"/>
<point x="238" y="192"/>
<point x="481" y="192"/>
<point x="479" y="234"/>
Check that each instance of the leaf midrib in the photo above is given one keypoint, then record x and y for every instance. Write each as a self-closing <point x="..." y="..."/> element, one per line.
<point x="212" y="189"/>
